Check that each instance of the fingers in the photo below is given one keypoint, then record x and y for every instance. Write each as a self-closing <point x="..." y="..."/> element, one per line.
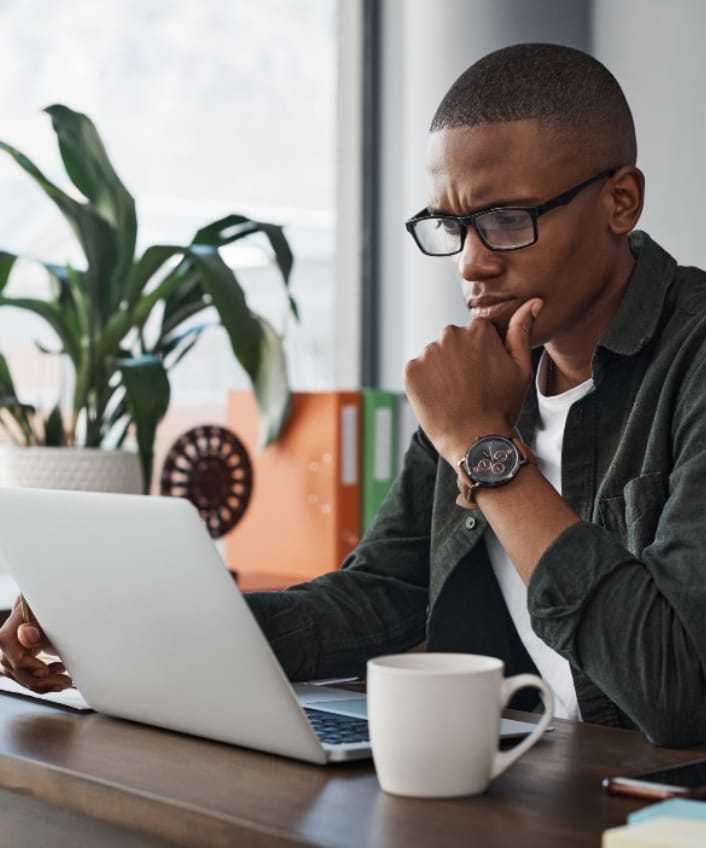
<point x="20" y="643"/>
<point x="30" y="636"/>
<point x="36" y="674"/>
<point x="518" y="340"/>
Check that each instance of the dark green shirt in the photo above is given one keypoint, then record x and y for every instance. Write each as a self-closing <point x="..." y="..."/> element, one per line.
<point x="621" y="595"/>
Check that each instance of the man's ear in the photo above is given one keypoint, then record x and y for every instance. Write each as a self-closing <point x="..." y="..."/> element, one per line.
<point x="626" y="194"/>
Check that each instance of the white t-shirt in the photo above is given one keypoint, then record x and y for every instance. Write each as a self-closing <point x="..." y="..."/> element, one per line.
<point x="548" y="442"/>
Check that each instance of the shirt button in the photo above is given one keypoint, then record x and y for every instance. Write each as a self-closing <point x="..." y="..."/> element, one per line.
<point x="470" y="522"/>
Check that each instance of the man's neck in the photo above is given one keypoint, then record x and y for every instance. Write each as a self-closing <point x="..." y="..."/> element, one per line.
<point x="572" y="357"/>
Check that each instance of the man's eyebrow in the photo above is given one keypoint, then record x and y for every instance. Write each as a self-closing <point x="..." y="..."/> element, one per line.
<point x="486" y="207"/>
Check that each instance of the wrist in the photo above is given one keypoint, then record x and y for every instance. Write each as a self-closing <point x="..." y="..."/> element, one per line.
<point x="453" y="449"/>
<point x="490" y="462"/>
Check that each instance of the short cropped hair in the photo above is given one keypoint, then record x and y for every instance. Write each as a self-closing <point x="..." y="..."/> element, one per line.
<point x="565" y="90"/>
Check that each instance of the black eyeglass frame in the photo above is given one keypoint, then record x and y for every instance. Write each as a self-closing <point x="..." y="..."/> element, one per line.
<point x="465" y="221"/>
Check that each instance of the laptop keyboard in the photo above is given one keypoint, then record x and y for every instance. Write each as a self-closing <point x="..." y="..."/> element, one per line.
<point x="337" y="729"/>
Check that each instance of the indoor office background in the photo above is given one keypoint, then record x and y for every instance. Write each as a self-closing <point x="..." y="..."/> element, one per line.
<point x="314" y="114"/>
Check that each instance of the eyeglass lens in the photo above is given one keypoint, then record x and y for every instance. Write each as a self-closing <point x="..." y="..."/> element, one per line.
<point x="504" y="229"/>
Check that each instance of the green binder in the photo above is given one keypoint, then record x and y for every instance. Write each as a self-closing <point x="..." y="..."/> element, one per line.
<point x="379" y="450"/>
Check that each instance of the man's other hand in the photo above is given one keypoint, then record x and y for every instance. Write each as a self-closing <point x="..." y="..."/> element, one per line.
<point x="20" y="644"/>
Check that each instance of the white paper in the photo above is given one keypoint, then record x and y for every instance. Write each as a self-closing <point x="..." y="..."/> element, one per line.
<point x="66" y="698"/>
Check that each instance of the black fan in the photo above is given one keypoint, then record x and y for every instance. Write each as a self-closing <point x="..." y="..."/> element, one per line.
<point x="211" y="467"/>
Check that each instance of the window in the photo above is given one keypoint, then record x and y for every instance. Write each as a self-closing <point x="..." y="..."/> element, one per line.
<point x="205" y="109"/>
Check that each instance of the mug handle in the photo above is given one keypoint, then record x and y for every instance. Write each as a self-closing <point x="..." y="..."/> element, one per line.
<point x="503" y="759"/>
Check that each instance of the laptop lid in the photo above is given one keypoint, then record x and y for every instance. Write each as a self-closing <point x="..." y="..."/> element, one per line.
<point x="147" y="618"/>
<point x="137" y="601"/>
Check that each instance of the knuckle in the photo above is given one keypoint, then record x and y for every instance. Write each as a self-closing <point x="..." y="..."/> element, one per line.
<point x="427" y="351"/>
<point x="448" y="332"/>
<point x="409" y="370"/>
<point x="26" y="662"/>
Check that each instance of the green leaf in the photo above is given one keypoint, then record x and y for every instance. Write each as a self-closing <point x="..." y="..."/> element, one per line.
<point x="171" y="343"/>
<point x="271" y="385"/>
<point x="187" y="299"/>
<point x="147" y="397"/>
<point x="234" y="227"/>
<point x="243" y="329"/>
<point x="70" y="293"/>
<point x="64" y="316"/>
<point x="7" y="261"/>
<point x="285" y="260"/>
<point x="184" y="349"/>
<point x="93" y="232"/>
<point x="119" y="414"/>
<point x="54" y="429"/>
<point x="120" y="440"/>
<point x="51" y="313"/>
<point x="96" y="236"/>
<point x="92" y="172"/>
<point x="147" y="266"/>
<point x="133" y="317"/>
<point x="225" y="231"/>
<point x="171" y="286"/>
<point x="281" y="248"/>
<point x="256" y="345"/>
<point x="9" y="401"/>
<point x="101" y="312"/>
<point x="185" y="311"/>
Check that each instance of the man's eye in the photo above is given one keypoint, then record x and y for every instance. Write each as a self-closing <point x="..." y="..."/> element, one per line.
<point x="449" y="225"/>
<point x="508" y="220"/>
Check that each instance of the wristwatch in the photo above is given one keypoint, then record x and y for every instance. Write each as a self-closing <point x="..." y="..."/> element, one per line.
<point x="493" y="461"/>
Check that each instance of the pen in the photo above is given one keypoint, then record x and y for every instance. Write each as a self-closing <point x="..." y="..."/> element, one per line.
<point x="26" y="611"/>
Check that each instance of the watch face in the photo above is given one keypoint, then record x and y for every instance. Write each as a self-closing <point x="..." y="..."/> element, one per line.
<point x="492" y="461"/>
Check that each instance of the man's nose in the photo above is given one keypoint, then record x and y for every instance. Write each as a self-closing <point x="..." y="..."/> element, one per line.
<point x="476" y="261"/>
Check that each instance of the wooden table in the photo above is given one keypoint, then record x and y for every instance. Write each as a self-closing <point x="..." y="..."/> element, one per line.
<point x="91" y="780"/>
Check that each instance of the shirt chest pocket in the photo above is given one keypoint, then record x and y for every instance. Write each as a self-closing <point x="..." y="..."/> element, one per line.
<point x="634" y="516"/>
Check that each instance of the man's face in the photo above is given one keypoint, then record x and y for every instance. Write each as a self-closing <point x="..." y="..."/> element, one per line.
<point x="571" y="265"/>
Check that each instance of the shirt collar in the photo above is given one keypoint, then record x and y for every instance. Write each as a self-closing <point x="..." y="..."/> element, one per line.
<point x="635" y="322"/>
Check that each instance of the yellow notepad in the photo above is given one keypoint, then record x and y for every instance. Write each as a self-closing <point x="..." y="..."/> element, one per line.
<point x="657" y="833"/>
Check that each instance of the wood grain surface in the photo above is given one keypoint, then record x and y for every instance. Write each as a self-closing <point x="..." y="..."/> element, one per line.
<point x="144" y="783"/>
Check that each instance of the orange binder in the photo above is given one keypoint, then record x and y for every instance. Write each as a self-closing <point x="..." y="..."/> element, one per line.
<point x="303" y="517"/>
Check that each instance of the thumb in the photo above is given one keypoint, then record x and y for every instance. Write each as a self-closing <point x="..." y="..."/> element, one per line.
<point x="518" y="339"/>
<point x="29" y="636"/>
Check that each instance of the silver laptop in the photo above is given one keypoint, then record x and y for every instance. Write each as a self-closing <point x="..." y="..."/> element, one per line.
<point x="135" y="597"/>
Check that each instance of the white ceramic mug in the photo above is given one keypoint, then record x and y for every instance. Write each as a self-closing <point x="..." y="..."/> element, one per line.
<point x="434" y="722"/>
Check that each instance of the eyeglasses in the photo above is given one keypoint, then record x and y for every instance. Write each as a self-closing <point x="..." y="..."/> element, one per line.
<point x="499" y="228"/>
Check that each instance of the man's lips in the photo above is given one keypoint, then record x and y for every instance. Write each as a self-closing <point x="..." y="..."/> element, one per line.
<point x="496" y="309"/>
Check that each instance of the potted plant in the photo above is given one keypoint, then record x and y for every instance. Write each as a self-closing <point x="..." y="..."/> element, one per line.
<point x="124" y="320"/>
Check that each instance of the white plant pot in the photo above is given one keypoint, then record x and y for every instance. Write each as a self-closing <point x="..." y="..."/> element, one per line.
<point x="88" y="469"/>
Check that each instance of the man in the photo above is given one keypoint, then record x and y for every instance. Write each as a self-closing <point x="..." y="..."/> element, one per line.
<point x="584" y="563"/>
